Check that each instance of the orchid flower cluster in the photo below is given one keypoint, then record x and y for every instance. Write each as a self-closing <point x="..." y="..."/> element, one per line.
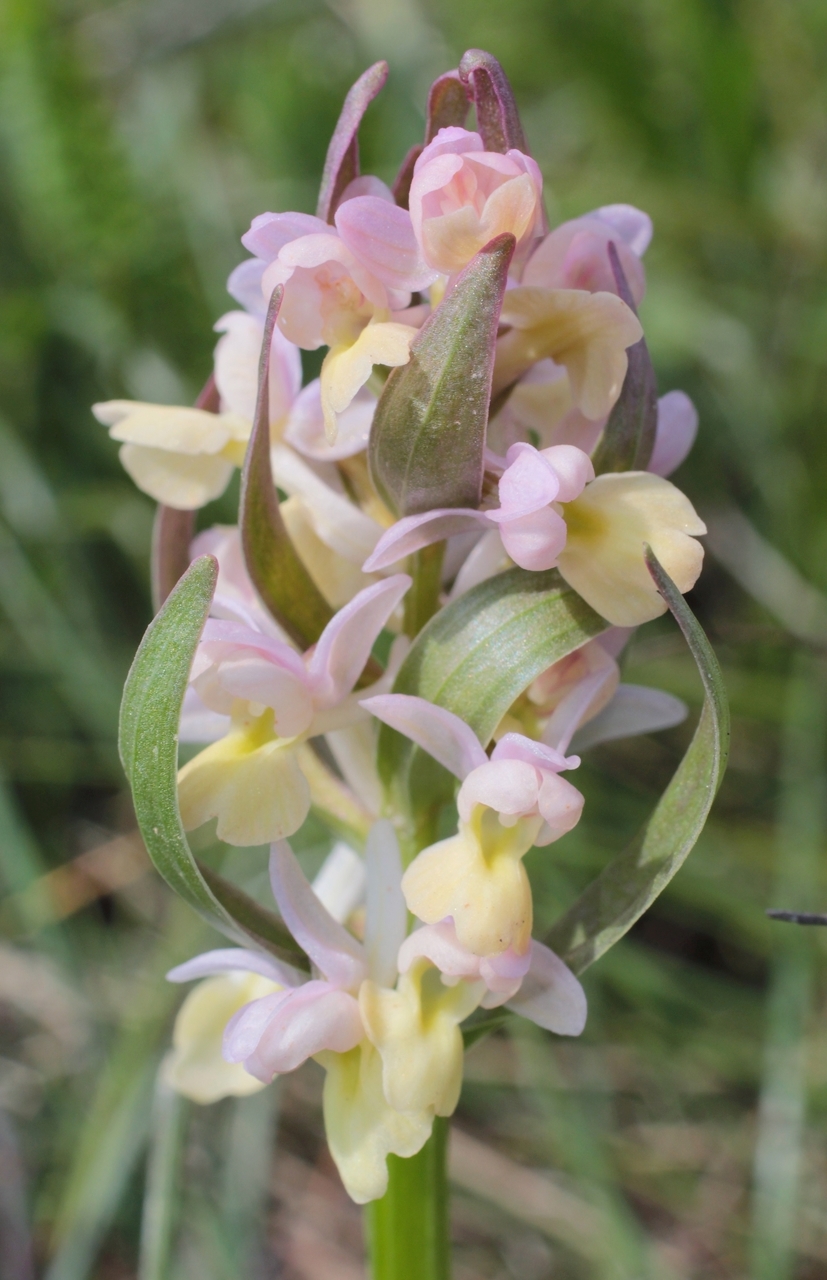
<point x="407" y="935"/>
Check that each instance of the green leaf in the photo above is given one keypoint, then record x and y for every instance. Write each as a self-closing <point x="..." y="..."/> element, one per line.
<point x="341" y="164"/>
<point x="612" y="903"/>
<point x="273" y="563"/>
<point x="150" y="712"/>
<point x="629" y="436"/>
<point x="427" y="442"/>
<point x="475" y="658"/>
<point x="498" y="120"/>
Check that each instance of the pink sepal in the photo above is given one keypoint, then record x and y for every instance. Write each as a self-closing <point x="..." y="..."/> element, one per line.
<point x="550" y="994"/>
<point x="345" y="644"/>
<point x="234" y="960"/>
<point x="439" y="732"/>
<point x="304" y="1022"/>
<point x="270" y="232"/>
<point x="412" y="533"/>
<point x="333" y="950"/>
<point x="676" y="431"/>
<point x="381" y="236"/>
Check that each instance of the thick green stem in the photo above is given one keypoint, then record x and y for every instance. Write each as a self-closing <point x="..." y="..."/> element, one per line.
<point x="422" y="599"/>
<point x="408" y="1229"/>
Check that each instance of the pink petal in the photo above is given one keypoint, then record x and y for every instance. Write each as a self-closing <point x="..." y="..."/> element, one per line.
<point x="567" y="715"/>
<point x="534" y="541"/>
<point x="386" y="915"/>
<point x="333" y="950"/>
<point x="508" y="786"/>
<point x="516" y="746"/>
<point x="632" y="225"/>
<point x="634" y="709"/>
<point x="345" y="644"/>
<point x="245" y="1028"/>
<point x="381" y="236"/>
<point x="438" y="943"/>
<point x="573" y="468"/>
<point x="501" y="971"/>
<point x="244" y="284"/>
<point x="451" y="140"/>
<point x="439" y="732"/>
<point x="313" y="1017"/>
<point x="676" y="431"/>
<point x="367" y="184"/>
<point x="550" y="995"/>
<point x="528" y="483"/>
<point x="234" y="959"/>
<point x="305" y="427"/>
<point x="412" y="533"/>
<point x="270" y="232"/>
<point x="560" y="804"/>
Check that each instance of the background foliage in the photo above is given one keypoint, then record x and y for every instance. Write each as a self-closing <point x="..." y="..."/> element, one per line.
<point x="683" y="1136"/>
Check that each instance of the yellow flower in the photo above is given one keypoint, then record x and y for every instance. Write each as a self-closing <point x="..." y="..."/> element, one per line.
<point x="195" y="1067"/>
<point x="250" y="780"/>
<point x="416" y="1030"/>
<point x="348" y="365"/>
<point x="362" y="1129"/>
<point x="586" y="332"/>
<point x="478" y="877"/>
<point x="609" y="524"/>
<point x="181" y="457"/>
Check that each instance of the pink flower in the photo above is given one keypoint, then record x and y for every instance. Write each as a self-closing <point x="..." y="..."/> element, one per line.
<point x="462" y="196"/>
<point x="506" y="804"/>
<point x="536" y="984"/>
<point x="251" y="779"/>
<point x="573" y="255"/>
<point x="532" y="531"/>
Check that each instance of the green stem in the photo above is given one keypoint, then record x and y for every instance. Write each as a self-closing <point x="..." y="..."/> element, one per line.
<point x="408" y="1229"/>
<point x="422" y="600"/>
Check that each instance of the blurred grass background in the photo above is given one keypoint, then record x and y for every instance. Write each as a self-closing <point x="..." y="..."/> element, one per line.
<point x="684" y="1135"/>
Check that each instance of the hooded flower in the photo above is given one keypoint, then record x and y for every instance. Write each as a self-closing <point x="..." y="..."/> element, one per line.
<point x="462" y="196"/>
<point x="340" y="286"/>
<point x="275" y="698"/>
<point x="554" y="512"/>
<point x="574" y="255"/>
<point x="506" y="804"/>
<point x="323" y="1017"/>
<point x="528" y="518"/>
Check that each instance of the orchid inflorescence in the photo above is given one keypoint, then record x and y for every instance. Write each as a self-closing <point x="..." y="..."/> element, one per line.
<point x="484" y="446"/>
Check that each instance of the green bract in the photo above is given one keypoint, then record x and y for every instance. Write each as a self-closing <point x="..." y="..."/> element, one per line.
<point x="150" y="712"/>
<point x="273" y="563"/>
<point x="630" y="883"/>
<point x="427" y="441"/>
<point x="629" y="436"/>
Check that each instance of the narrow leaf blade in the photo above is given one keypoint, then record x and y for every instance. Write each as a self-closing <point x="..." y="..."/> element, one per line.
<point x="612" y="903"/>
<point x="273" y="563"/>
<point x="629" y="436"/>
<point x="150" y="712"/>
<point x="498" y="119"/>
<point x="341" y="164"/>
<point x="427" y="442"/>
